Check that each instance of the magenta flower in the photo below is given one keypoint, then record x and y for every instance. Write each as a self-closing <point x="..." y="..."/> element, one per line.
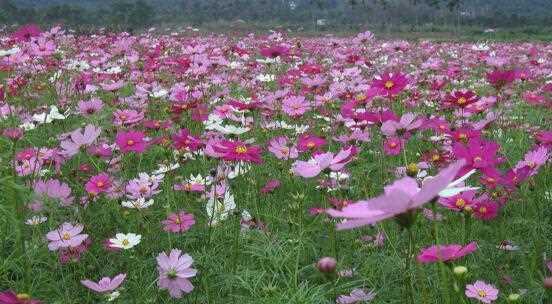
<point x="127" y="117"/>
<point x="270" y="186"/>
<point x="280" y="148"/>
<point x="97" y="184"/>
<point x="309" y="142"/>
<point x="131" y="141"/>
<point x="178" y="222"/>
<point x="65" y="236"/>
<point x="183" y="140"/>
<point x="393" y="146"/>
<point x="390" y="84"/>
<point x="295" y="106"/>
<point x="10" y="297"/>
<point x="481" y="291"/>
<point x="238" y="151"/>
<point x="461" y="99"/>
<point x="401" y="196"/>
<point x="545" y="138"/>
<point x="478" y="153"/>
<point x="485" y="209"/>
<point x="459" y="202"/>
<point x="106" y="284"/>
<point x="275" y="51"/>
<point x="174" y="272"/>
<point x="445" y="253"/>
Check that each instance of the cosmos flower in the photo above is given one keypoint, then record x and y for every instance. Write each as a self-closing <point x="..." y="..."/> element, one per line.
<point x="238" y="151"/>
<point x="125" y="241"/>
<point x="90" y="107"/>
<point x="178" y="222"/>
<point x="309" y="142"/>
<point x="445" y="253"/>
<point x="390" y="84"/>
<point x="401" y="196"/>
<point x="106" y="284"/>
<point x="65" y="236"/>
<point x="10" y="297"/>
<point x="322" y="161"/>
<point x="280" y="148"/>
<point x="481" y="291"/>
<point x="131" y="141"/>
<point x="175" y="272"/>
<point x="295" y="106"/>
<point x="97" y="184"/>
<point x="461" y="99"/>
<point x="357" y="296"/>
<point x="54" y="189"/>
<point x="407" y="123"/>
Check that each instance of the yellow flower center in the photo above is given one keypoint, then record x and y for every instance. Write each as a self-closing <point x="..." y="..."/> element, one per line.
<point x="178" y="221"/>
<point x="23" y="296"/>
<point x="311" y="144"/>
<point x="241" y="149"/>
<point x="100" y="184"/>
<point x="460" y="203"/>
<point x="435" y="157"/>
<point x="482" y="209"/>
<point x="482" y="293"/>
<point x="66" y="236"/>
<point x="125" y="242"/>
<point x="389" y="84"/>
<point x="462" y="136"/>
<point x="393" y="144"/>
<point x="461" y="100"/>
<point x="130" y="142"/>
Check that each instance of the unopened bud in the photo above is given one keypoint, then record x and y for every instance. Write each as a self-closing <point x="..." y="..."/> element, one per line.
<point x="326" y="264"/>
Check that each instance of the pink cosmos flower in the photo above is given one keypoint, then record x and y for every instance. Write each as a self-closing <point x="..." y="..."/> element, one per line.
<point x="97" y="184"/>
<point x="26" y="32"/>
<point x="390" y="84"/>
<point x="106" y="284"/>
<point x="461" y="98"/>
<point x="275" y="51"/>
<point x="407" y="124"/>
<point x="322" y="161"/>
<point x="65" y="236"/>
<point x="10" y="297"/>
<point x="131" y="141"/>
<point x="280" y="148"/>
<point x="481" y="291"/>
<point x="54" y="189"/>
<point x="174" y="272"/>
<point x="310" y="142"/>
<point x="485" y="209"/>
<point x="500" y="79"/>
<point x="42" y="47"/>
<point x="534" y="160"/>
<point x="477" y="153"/>
<point x="545" y="138"/>
<point x="270" y="186"/>
<point x="183" y="140"/>
<point x="238" y="151"/>
<point x="393" y="146"/>
<point x="357" y="296"/>
<point x="445" y="253"/>
<point x="401" y="196"/>
<point x="178" y="222"/>
<point x="295" y="106"/>
<point x="89" y="107"/>
<point x="459" y="202"/>
<point x="127" y="117"/>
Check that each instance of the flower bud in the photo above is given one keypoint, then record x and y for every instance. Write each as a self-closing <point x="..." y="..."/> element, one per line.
<point x="514" y="297"/>
<point x="548" y="282"/>
<point x="326" y="264"/>
<point x="460" y="270"/>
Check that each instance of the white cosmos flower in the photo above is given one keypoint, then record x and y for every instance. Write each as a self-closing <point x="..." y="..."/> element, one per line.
<point x="140" y="203"/>
<point x="27" y="126"/>
<point x="125" y="241"/>
<point x="199" y="180"/>
<point x="36" y="220"/>
<point x="48" y="118"/>
<point x="265" y="77"/>
<point x="166" y="168"/>
<point x="11" y="51"/>
<point x="219" y="209"/>
<point x="158" y="93"/>
<point x="79" y="65"/>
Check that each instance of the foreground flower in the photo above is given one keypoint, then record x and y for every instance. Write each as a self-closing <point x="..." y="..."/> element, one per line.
<point x="402" y="196"/>
<point x="10" y="297"/>
<point x="125" y="241"/>
<point x="445" y="253"/>
<point x="174" y="272"/>
<point x="178" y="222"/>
<point x="65" y="236"/>
<point x="357" y="296"/>
<point x="390" y="84"/>
<point x="485" y="293"/>
<point x="106" y="284"/>
<point x="238" y="151"/>
<point x="98" y="184"/>
<point x="131" y="141"/>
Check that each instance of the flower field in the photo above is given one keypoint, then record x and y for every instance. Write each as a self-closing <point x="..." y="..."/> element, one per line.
<point x="208" y="168"/>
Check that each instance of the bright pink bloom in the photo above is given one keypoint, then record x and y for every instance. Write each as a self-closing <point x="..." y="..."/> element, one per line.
<point x="534" y="160"/>
<point x="500" y="79"/>
<point x="390" y="84"/>
<point x="311" y="142"/>
<point x="393" y="146"/>
<point x="238" y="151"/>
<point x="485" y="209"/>
<point x="445" y="253"/>
<point x="275" y="51"/>
<point x="26" y="32"/>
<point x="401" y="196"/>
<point x="183" y="140"/>
<point x="459" y="202"/>
<point x="174" y="272"/>
<point x="65" y="236"/>
<point x="178" y="222"/>
<point x="477" y="153"/>
<point x="481" y="291"/>
<point x="97" y="184"/>
<point x="131" y="141"/>
<point x="106" y="284"/>
<point x="10" y="297"/>
<point x="461" y="99"/>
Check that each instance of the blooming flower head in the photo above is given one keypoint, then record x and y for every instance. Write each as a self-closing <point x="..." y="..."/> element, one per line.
<point x="54" y="189"/>
<point x="10" y="297"/>
<point x="461" y="99"/>
<point x="125" y="241"/>
<point x="393" y="146"/>
<point x="238" y="151"/>
<point x="97" y="184"/>
<point x="131" y="141"/>
<point x="445" y="253"/>
<point x="460" y="202"/>
<point x="309" y="142"/>
<point x="295" y="106"/>
<point x="398" y="198"/>
<point x="357" y="296"/>
<point x="481" y="291"/>
<point x="407" y="123"/>
<point x="183" y="140"/>
<point x="390" y="84"/>
<point x="90" y="107"/>
<point x="65" y="236"/>
<point x="106" y="284"/>
<point x="175" y="272"/>
<point x="178" y="222"/>
<point x="280" y="148"/>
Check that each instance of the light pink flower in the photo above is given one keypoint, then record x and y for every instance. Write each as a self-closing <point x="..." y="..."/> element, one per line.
<point x="106" y="284"/>
<point x="174" y="272"/>
<point x="485" y="293"/>
<point x="65" y="236"/>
